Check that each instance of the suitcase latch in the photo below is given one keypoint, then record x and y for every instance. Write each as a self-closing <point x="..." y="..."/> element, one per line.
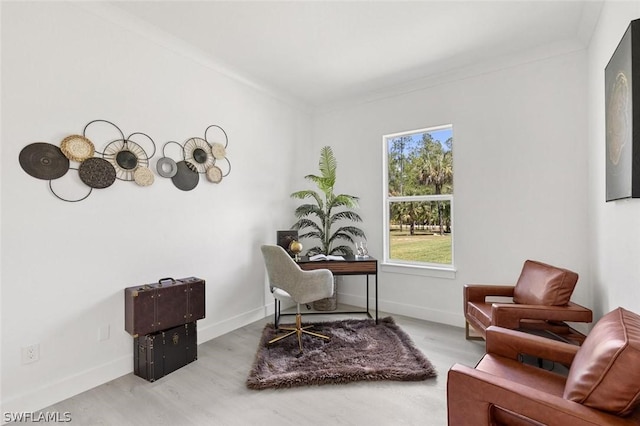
<point x="175" y="338"/>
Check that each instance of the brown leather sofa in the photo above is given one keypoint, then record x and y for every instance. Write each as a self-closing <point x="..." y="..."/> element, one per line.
<point x="540" y="300"/>
<point x="602" y="386"/>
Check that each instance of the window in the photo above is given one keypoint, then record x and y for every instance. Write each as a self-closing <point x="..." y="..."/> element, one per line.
<point x="418" y="198"/>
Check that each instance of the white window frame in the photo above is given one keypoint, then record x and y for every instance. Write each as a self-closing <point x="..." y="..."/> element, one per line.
<point x="408" y="267"/>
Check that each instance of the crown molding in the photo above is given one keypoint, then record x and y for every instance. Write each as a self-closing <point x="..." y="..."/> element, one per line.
<point x="435" y="79"/>
<point x="140" y="27"/>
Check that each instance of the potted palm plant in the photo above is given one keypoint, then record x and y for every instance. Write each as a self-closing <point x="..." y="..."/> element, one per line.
<point x="328" y="218"/>
<point x="323" y="218"/>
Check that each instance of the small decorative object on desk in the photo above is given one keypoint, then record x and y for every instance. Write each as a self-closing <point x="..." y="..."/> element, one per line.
<point x="295" y="247"/>
<point x="361" y="250"/>
<point x="321" y="256"/>
<point x="284" y="239"/>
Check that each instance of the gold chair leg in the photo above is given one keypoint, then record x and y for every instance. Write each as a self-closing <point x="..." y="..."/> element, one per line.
<point x="275" y="339"/>
<point x="322" y="336"/>
<point x="298" y="330"/>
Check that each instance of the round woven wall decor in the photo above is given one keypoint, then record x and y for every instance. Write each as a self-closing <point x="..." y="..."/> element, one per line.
<point x="143" y="176"/>
<point x="77" y="148"/>
<point x="214" y="174"/>
<point x="218" y="150"/>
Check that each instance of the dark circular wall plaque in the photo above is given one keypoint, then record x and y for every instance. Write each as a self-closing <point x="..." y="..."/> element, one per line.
<point x="43" y="161"/>
<point x="127" y="159"/>
<point x="97" y="173"/>
<point x="200" y="155"/>
<point x="185" y="179"/>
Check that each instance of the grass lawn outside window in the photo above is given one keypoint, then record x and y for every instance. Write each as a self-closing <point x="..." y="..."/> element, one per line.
<point x="422" y="246"/>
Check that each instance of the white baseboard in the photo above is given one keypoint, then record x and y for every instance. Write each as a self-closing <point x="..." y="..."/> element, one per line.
<point x="413" y="311"/>
<point x="52" y="393"/>
<point x="211" y="331"/>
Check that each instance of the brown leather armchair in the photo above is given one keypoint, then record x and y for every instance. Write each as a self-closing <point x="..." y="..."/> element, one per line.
<point x="540" y="300"/>
<point x="602" y="386"/>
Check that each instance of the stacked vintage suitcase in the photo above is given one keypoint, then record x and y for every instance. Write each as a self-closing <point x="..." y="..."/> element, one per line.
<point x="162" y="317"/>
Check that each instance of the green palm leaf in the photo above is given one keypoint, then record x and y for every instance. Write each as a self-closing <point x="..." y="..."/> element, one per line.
<point x="307" y="223"/>
<point x="309" y="194"/>
<point x="308" y="210"/>
<point x="316" y="220"/>
<point x="345" y="250"/>
<point x="312" y="234"/>
<point x="346" y="215"/>
<point x="345" y="200"/>
<point x="328" y="166"/>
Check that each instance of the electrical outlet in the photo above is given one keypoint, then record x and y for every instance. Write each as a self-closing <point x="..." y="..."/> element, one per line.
<point x="30" y="353"/>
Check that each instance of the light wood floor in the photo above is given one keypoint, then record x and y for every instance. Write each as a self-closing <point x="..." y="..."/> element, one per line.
<point x="211" y="390"/>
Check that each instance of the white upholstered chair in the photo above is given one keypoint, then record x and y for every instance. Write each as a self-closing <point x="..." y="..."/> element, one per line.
<point x="289" y="282"/>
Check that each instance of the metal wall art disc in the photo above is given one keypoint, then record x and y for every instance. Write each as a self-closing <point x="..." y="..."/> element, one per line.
<point x="97" y="173"/>
<point x="166" y="167"/>
<point x="43" y="161"/>
<point x="125" y="156"/>
<point x="77" y="148"/>
<point x="143" y="176"/>
<point x="198" y="152"/>
<point x="126" y="159"/>
<point x="185" y="179"/>
<point x="214" y="174"/>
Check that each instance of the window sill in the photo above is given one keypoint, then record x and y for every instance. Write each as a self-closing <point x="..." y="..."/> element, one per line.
<point x="425" y="271"/>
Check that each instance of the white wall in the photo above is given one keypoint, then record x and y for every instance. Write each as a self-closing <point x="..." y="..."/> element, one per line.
<point x="520" y="165"/>
<point x="64" y="265"/>
<point x="529" y="159"/>
<point x="614" y="226"/>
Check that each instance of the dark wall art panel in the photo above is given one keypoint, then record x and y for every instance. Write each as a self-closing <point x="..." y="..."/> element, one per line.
<point x="622" y="109"/>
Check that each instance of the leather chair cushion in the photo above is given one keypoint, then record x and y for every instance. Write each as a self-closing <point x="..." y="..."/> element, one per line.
<point x="605" y="373"/>
<point x="542" y="284"/>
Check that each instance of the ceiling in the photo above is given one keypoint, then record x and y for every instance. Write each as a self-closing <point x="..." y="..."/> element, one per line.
<point x="323" y="52"/>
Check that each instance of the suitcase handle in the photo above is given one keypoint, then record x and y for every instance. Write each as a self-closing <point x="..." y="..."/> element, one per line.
<point x="166" y="279"/>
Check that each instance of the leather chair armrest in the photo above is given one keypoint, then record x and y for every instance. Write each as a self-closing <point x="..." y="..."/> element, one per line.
<point x="508" y="315"/>
<point x="585" y="313"/>
<point x="478" y="292"/>
<point x="509" y="343"/>
<point x="471" y="392"/>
